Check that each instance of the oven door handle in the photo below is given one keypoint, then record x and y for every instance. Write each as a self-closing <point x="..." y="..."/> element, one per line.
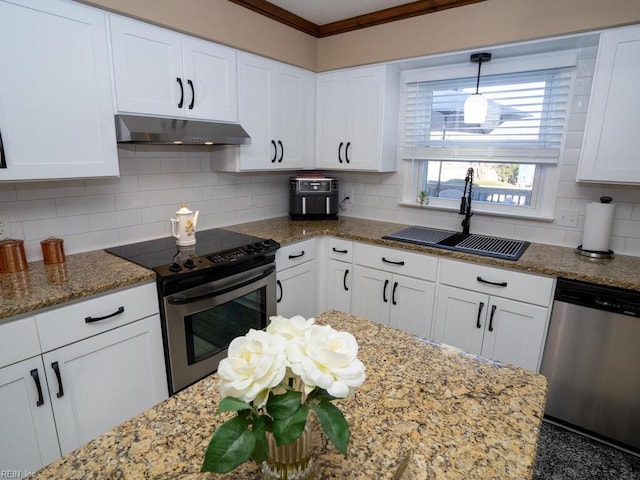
<point x="186" y="300"/>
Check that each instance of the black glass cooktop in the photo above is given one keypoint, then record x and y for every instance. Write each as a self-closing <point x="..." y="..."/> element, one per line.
<point x="215" y="247"/>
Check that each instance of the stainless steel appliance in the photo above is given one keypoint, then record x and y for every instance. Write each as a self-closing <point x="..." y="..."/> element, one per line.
<point x="209" y="293"/>
<point x="313" y="198"/>
<point x="592" y="361"/>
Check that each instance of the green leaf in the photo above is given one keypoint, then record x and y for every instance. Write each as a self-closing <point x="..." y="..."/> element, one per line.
<point x="261" y="450"/>
<point x="231" y="445"/>
<point x="286" y="430"/>
<point x="285" y="405"/>
<point x="333" y="424"/>
<point x="231" y="404"/>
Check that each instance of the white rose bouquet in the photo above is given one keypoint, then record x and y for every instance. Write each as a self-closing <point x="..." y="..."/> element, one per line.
<point x="272" y="379"/>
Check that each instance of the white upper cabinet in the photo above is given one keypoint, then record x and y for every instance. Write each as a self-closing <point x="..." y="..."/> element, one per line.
<point x="609" y="149"/>
<point x="276" y="110"/>
<point x="357" y="126"/>
<point x="160" y="72"/>
<point x="56" y="107"/>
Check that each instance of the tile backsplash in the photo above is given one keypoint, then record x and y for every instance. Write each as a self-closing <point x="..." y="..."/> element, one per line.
<point x="154" y="180"/>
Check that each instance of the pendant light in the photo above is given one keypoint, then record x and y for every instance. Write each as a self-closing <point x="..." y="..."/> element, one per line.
<point x="475" y="106"/>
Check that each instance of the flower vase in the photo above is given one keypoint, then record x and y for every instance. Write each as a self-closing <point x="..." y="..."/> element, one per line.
<point x="292" y="461"/>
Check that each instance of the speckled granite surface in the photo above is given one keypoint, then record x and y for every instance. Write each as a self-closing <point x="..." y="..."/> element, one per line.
<point x="465" y="418"/>
<point x="81" y="275"/>
<point x="622" y="271"/>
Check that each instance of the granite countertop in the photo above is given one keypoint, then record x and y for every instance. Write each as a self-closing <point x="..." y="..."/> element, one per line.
<point x="621" y="271"/>
<point x="464" y="417"/>
<point x="81" y="275"/>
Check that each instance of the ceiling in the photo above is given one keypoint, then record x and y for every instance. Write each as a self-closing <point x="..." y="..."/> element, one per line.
<point x="322" y="18"/>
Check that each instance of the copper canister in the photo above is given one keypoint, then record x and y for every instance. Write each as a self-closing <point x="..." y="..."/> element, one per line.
<point x="52" y="250"/>
<point x="13" y="258"/>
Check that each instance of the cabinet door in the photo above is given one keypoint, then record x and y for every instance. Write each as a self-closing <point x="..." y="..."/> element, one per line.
<point x="296" y="290"/>
<point x="460" y="318"/>
<point x="412" y="305"/>
<point x="291" y="121"/>
<point x="28" y="441"/>
<point x="106" y="379"/>
<point x="56" y="107"/>
<point x="339" y="285"/>
<point x="211" y="69"/>
<point x="364" y="134"/>
<point x="371" y="294"/>
<point x="147" y="68"/>
<point x="609" y="150"/>
<point x="515" y="333"/>
<point x="332" y="119"/>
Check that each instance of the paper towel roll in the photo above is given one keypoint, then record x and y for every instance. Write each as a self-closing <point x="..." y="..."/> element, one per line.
<point x="597" y="226"/>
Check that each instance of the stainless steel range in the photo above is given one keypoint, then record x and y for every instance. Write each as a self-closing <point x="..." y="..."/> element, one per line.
<point x="210" y="293"/>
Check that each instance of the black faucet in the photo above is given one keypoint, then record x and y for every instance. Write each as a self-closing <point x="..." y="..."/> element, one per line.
<point x="465" y="202"/>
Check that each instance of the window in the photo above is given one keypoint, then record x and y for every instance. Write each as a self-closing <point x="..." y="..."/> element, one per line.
<point x="518" y="144"/>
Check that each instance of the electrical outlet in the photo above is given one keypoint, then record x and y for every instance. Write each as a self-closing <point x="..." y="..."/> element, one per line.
<point x="5" y="229"/>
<point x="567" y="218"/>
<point x="348" y="197"/>
<point x="253" y="200"/>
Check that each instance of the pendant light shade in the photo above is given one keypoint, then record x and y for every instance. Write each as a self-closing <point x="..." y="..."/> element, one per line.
<point x="475" y="106"/>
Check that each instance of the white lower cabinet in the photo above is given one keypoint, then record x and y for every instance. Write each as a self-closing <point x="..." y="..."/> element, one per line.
<point x="296" y="284"/>
<point x="72" y="373"/>
<point x="383" y="293"/>
<point x="336" y="273"/>
<point x="483" y="321"/>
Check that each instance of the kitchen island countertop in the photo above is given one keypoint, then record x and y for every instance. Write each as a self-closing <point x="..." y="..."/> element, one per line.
<point x="463" y="417"/>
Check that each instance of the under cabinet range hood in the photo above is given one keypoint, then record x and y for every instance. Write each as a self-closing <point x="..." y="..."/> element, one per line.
<point x="175" y="131"/>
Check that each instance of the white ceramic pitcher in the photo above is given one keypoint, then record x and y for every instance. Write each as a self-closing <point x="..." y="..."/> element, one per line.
<point x="183" y="227"/>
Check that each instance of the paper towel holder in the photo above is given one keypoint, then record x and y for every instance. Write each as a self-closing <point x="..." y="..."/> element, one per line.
<point x="596" y="254"/>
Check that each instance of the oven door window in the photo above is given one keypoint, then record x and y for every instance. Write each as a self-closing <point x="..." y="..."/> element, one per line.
<point x="210" y="331"/>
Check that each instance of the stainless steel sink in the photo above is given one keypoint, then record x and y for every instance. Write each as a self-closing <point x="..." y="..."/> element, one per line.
<point x="484" y="245"/>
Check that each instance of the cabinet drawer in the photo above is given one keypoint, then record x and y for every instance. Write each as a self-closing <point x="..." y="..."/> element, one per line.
<point x="66" y="325"/>
<point x="18" y="341"/>
<point x="396" y="261"/>
<point x="524" y="287"/>
<point x="340" y="249"/>
<point x="295" y="254"/>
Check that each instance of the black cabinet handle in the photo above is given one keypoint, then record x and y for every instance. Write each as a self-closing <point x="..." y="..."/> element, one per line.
<point x="3" y="160"/>
<point x="296" y="256"/>
<point x="97" y="319"/>
<point x="281" y="151"/>
<point x="36" y="378"/>
<point x="497" y="284"/>
<point x="193" y="94"/>
<point x="56" y="370"/>
<point x="393" y="293"/>
<point x="493" y="311"/>
<point x="479" y="313"/>
<point x="280" y="286"/>
<point x="384" y="291"/>
<point x="340" y="251"/>
<point x="401" y="262"/>
<point x="340" y="152"/>
<point x="344" y="280"/>
<point x="181" y="102"/>
<point x="275" y="151"/>
<point x="346" y="152"/>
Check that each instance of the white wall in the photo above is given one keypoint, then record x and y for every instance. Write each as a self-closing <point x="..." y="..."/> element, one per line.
<point x="376" y="196"/>
<point x="154" y="181"/>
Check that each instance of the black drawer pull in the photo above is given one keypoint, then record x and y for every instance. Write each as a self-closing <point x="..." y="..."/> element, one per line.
<point x="56" y="370"/>
<point x="479" y="313"/>
<point x="401" y="262"/>
<point x="497" y="284"/>
<point x="97" y="319"/>
<point x="493" y="312"/>
<point x="344" y="280"/>
<point x="36" y="378"/>
<point x="296" y="256"/>
<point x="279" y="284"/>
<point x="393" y="293"/>
<point x="340" y="251"/>
<point x="384" y="291"/>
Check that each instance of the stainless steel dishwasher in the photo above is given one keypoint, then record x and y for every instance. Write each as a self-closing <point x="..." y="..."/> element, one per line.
<point x="592" y="361"/>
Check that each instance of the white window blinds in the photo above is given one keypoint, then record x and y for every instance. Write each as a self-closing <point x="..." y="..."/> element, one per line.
<point x="525" y="123"/>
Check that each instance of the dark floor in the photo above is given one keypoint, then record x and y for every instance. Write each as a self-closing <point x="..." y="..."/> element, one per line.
<point x="564" y="455"/>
